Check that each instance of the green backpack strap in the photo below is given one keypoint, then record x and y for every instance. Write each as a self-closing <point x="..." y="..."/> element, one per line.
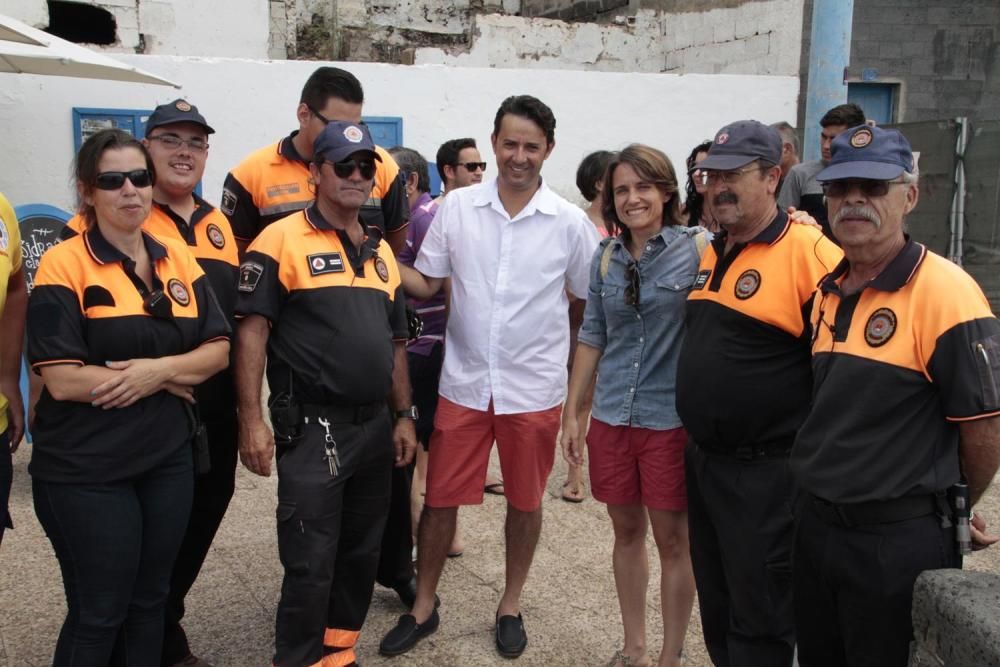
<point x="605" y="261"/>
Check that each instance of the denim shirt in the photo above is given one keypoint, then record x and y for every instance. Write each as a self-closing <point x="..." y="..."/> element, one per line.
<point x="637" y="372"/>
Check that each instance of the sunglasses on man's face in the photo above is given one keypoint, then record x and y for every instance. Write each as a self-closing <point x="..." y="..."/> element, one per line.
<point x="633" y="283"/>
<point x="870" y="188"/>
<point x="471" y="167"/>
<point x="114" y="180"/>
<point x="345" y="168"/>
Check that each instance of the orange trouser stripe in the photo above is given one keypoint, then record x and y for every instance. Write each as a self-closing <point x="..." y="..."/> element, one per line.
<point x="338" y="638"/>
<point x="339" y="659"/>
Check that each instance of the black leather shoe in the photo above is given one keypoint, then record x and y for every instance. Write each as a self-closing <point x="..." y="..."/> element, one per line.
<point x="511" y="637"/>
<point x="407" y="633"/>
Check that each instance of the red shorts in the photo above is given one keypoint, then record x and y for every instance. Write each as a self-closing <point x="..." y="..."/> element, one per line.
<point x="459" y="454"/>
<point x="632" y="466"/>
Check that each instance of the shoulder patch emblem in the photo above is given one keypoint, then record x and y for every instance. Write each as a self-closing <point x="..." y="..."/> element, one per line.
<point x="215" y="236"/>
<point x="325" y="262"/>
<point x="881" y="325"/>
<point x="381" y="269"/>
<point x="747" y="284"/>
<point x="250" y="273"/>
<point x="702" y="279"/>
<point x="861" y="138"/>
<point x="229" y="200"/>
<point x="178" y="291"/>
<point x="4" y="236"/>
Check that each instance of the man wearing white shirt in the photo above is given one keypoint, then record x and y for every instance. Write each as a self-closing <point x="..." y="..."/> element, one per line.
<point x="512" y="248"/>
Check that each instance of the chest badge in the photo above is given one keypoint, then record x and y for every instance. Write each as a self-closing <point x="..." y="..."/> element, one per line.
<point x="880" y="328"/>
<point x="325" y="262"/>
<point x="381" y="269"/>
<point x="178" y="291"/>
<point x="747" y="284"/>
<point x="702" y="279"/>
<point x="215" y="236"/>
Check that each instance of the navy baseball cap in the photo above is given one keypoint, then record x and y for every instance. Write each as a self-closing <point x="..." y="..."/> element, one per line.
<point x="340" y="140"/>
<point x="741" y="143"/>
<point x="178" y="111"/>
<point x="868" y="152"/>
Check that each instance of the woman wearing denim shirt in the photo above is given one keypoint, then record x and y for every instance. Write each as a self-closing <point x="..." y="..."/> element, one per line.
<point x="631" y="338"/>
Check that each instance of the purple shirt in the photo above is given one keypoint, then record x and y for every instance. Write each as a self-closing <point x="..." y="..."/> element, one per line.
<point x="432" y="311"/>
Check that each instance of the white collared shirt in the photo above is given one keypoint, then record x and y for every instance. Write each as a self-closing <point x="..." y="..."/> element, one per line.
<point x="508" y="326"/>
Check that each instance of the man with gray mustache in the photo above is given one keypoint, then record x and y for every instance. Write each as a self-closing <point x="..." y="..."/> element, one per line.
<point x="743" y="384"/>
<point x="906" y="412"/>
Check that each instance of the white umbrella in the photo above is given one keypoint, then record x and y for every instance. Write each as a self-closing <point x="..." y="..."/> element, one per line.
<point x="27" y="50"/>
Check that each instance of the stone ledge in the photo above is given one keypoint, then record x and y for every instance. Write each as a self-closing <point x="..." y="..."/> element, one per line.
<point x="955" y="620"/>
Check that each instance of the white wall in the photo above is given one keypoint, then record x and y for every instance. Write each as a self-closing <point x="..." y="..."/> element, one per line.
<point x="33" y="12"/>
<point x="252" y="103"/>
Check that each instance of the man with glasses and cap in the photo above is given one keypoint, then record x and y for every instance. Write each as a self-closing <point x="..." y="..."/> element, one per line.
<point x="743" y="384"/>
<point x="320" y="298"/>
<point x="905" y="413"/>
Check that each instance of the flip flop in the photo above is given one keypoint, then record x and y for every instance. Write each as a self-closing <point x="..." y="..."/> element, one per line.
<point x="571" y="495"/>
<point x="492" y="488"/>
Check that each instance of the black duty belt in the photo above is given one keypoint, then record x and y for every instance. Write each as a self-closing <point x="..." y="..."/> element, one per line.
<point x="874" y="512"/>
<point x="342" y="414"/>
<point x="750" y="452"/>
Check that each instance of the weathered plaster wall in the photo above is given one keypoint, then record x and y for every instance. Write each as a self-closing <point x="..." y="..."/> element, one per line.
<point x="252" y="103"/>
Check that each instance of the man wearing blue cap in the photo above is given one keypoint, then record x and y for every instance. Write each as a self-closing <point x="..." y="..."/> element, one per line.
<point x="321" y="293"/>
<point x="743" y="385"/>
<point x="906" y="412"/>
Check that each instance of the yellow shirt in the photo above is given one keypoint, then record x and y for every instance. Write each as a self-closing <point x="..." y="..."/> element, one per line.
<point x="10" y="263"/>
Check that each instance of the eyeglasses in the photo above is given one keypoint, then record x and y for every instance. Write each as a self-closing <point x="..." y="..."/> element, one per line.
<point x="634" y="282"/>
<point x="173" y="142"/>
<point x="870" y="188"/>
<point x="710" y="176"/>
<point x="345" y="168"/>
<point x="473" y="166"/>
<point x="324" y="119"/>
<point x="114" y="180"/>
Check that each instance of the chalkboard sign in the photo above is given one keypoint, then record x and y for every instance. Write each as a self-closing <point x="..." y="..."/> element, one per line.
<point x="42" y="226"/>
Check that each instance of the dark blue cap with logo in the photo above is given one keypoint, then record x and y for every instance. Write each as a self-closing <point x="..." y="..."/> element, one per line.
<point x="340" y="140"/>
<point x="741" y="143"/>
<point x="868" y="152"/>
<point x="178" y="111"/>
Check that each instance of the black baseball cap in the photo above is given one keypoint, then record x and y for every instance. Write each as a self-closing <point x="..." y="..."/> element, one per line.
<point x="868" y="152"/>
<point x="741" y="143"/>
<point x="178" y="111"/>
<point x="341" y="139"/>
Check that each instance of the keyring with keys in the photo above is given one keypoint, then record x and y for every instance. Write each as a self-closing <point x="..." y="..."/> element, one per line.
<point x="330" y="448"/>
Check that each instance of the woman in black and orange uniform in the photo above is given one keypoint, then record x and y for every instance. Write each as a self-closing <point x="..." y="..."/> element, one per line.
<point x="121" y="326"/>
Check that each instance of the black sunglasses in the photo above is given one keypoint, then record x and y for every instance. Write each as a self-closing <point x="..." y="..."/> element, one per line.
<point x="345" y="168"/>
<point x="632" y="288"/>
<point x="114" y="180"/>
<point x="869" y="188"/>
<point x="472" y="166"/>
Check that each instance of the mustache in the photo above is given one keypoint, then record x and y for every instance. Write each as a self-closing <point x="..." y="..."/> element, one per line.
<point x="865" y="212"/>
<point x="725" y="198"/>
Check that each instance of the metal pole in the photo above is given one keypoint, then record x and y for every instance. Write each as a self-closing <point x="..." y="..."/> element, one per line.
<point x="958" y="199"/>
<point x="829" y="56"/>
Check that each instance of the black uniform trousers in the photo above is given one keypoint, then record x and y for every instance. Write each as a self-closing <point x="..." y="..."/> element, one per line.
<point x="395" y="565"/>
<point x="329" y="533"/>
<point x="740" y="524"/>
<point x="854" y="586"/>
<point x="212" y="493"/>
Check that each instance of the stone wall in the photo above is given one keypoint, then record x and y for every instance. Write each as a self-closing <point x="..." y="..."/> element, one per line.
<point x="955" y="621"/>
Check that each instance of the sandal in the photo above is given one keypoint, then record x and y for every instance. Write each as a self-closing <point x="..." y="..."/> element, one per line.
<point x="620" y="659"/>
<point x="573" y="495"/>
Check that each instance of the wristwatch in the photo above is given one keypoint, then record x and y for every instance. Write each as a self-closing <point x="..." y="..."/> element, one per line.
<point x="408" y="413"/>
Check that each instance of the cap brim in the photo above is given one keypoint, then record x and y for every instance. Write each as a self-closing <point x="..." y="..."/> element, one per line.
<point x="876" y="171"/>
<point x="726" y="162"/>
<point x="347" y="151"/>
<point x="208" y="128"/>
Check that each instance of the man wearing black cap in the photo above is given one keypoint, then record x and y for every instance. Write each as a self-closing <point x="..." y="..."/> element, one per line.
<point x="177" y="139"/>
<point x="906" y="403"/>
<point x="321" y="292"/>
<point x="743" y="386"/>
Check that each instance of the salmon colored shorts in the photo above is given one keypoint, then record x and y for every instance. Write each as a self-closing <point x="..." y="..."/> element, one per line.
<point x="632" y="466"/>
<point x="459" y="454"/>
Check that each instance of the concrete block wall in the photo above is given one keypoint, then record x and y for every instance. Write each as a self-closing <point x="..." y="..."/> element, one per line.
<point x="947" y="55"/>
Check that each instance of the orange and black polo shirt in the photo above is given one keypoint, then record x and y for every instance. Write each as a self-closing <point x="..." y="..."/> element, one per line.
<point x="87" y="308"/>
<point x="274" y="181"/>
<point x="743" y="378"/>
<point x="334" y="310"/>
<point x="896" y="367"/>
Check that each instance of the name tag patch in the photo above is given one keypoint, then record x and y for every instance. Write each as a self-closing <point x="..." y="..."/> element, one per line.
<point x="325" y="262"/>
<point x="702" y="279"/>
